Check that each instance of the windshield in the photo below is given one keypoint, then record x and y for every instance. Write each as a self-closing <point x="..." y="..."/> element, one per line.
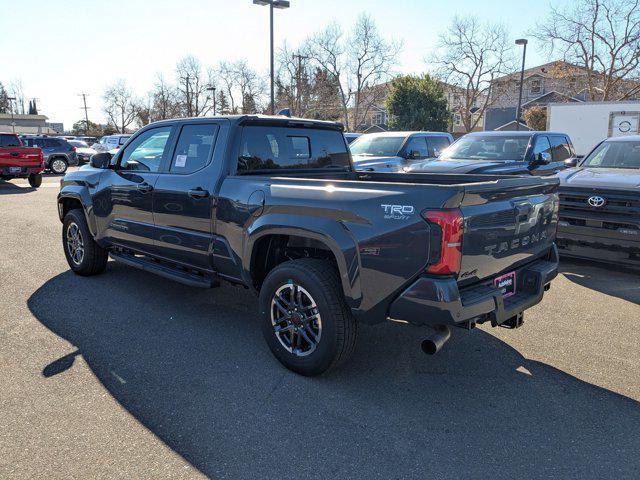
<point x="487" y="148"/>
<point x="376" y="146"/>
<point x="78" y="143"/>
<point x="618" y="154"/>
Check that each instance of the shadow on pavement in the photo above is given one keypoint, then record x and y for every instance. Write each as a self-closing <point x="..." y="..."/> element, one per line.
<point x="192" y="367"/>
<point x="611" y="280"/>
<point x="8" y="188"/>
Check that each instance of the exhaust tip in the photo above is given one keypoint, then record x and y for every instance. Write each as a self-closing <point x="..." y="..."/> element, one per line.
<point x="429" y="347"/>
<point x="436" y="340"/>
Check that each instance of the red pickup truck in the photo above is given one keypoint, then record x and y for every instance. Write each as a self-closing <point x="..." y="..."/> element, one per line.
<point x="18" y="161"/>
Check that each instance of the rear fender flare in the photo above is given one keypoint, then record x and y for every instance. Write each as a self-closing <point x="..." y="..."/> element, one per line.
<point x="333" y="234"/>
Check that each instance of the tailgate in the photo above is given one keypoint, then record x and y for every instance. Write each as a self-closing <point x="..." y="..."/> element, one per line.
<point x="506" y="224"/>
<point x="19" y="156"/>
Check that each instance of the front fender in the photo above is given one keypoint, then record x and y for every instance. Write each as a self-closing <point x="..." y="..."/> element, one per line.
<point x="332" y="233"/>
<point x="78" y="193"/>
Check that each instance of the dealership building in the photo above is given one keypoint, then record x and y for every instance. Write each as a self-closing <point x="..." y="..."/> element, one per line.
<point x="28" y="124"/>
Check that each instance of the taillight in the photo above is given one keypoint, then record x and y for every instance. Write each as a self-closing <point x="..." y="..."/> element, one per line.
<point x="451" y="226"/>
<point x="41" y="157"/>
<point x="73" y="149"/>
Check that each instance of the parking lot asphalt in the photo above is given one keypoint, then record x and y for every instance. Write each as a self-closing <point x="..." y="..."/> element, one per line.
<point x="129" y="375"/>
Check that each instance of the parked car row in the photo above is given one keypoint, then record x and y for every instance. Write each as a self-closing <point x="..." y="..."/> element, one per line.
<point x="599" y="194"/>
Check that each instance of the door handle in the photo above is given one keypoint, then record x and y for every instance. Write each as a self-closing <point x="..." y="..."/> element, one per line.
<point x="15" y="154"/>
<point x="144" y="187"/>
<point x="198" y="193"/>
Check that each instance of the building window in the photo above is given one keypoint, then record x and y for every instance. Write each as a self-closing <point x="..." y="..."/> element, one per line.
<point x="535" y="86"/>
<point x="378" y="118"/>
<point x="457" y="119"/>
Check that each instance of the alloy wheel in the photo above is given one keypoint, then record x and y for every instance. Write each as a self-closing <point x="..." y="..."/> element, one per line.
<point x="75" y="243"/>
<point x="58" y="165"/>
<point x="296" y="320"/>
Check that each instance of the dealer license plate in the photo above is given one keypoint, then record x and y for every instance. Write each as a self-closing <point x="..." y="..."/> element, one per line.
<point x="506" y="283"/>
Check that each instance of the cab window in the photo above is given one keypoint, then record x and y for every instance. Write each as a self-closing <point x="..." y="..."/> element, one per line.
<point x="560" y="148"/>
<point x="194" y="148"/>
<point x="417" y="147"/>
<point x="270" y="148"/>
<point x="541" y="145"/>
<point x="145" y="153"/>
<point x="437" y="145"/>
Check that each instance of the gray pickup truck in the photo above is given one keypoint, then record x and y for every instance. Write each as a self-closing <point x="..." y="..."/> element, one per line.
<point x="274" y="204"/>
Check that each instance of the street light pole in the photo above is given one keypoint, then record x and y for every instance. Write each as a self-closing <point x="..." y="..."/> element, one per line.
<point x="13" y="124"/>
<point x="213" y="96"/>
<point x="281" y="4"/>
<point x="521" y="41"/>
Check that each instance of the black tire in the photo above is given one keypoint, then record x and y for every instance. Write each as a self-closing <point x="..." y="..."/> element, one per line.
<point x="339" y="329"/>
<point x="35" y="179"/>
<point x="94" y="258"/>
<point x="58" y="165"/>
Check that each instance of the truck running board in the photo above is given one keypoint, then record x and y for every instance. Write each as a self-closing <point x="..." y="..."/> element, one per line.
<point x="165" y="270"/>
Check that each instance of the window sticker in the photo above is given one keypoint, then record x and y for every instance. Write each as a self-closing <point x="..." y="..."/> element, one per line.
<point x="181" y="161"/>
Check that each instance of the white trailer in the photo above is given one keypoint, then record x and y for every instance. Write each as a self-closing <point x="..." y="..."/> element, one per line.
<point x="587" y="123"/>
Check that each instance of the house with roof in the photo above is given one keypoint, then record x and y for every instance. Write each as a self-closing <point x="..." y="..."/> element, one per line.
<point x="374" y="117"/>
<point x="553" y="82"/>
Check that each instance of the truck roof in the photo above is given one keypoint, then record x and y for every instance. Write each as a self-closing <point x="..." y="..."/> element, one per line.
<point x="274" y="120"/>
<point x="405" y="133"/>
<point x="623" y="138"/>
<point x="517" y="133"/>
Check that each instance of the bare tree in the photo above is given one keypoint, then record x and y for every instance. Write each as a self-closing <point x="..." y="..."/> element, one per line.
<point x="357" y="63"/>
<point x="120" y="105"/>
<point x="241" y="84"/>
<point x="293" y="82"/>
<point x="165" y="103"/>
<point x="602" y="37"/>
<point x="193" y="86"/>
<point x="16" y="91"/>
<point x="470" y="56"/>
<point x="227" y="76"/>
<point x="371" y="61"/>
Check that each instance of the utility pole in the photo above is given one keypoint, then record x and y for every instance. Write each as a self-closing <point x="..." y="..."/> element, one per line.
<point x="86" y="113"/>
<point x="187" y="80"/>
<point x="298" y="80"/>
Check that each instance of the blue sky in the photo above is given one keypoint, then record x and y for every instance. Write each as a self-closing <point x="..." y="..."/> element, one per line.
<point x="61" y="48"/>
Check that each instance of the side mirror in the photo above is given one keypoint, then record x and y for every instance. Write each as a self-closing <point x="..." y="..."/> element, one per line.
<point x="571" y="162"/>
<point x="543" y="158"/>
<point x="100" y="160"/>
<point x="414" y="154"/>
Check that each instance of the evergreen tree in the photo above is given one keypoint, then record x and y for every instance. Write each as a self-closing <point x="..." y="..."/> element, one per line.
<point x="4" y="100"/>
<point x="222" y="104"/>
<point x="417" y="103"/>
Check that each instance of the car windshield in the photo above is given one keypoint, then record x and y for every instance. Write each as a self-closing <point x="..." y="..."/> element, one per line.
<point x="617" y="154"/>
<point x="78" y="143"/>
<point x="489" y="147"/>
<point x="376" y="146"/>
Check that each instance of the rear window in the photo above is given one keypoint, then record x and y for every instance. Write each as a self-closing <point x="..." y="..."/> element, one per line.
<point x="9" y="141"/>
<point x="270" y="148"/>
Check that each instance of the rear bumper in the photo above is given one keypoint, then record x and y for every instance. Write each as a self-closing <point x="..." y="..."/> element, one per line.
<point x="439" y="301"/>
<point x="600" y="245"/>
